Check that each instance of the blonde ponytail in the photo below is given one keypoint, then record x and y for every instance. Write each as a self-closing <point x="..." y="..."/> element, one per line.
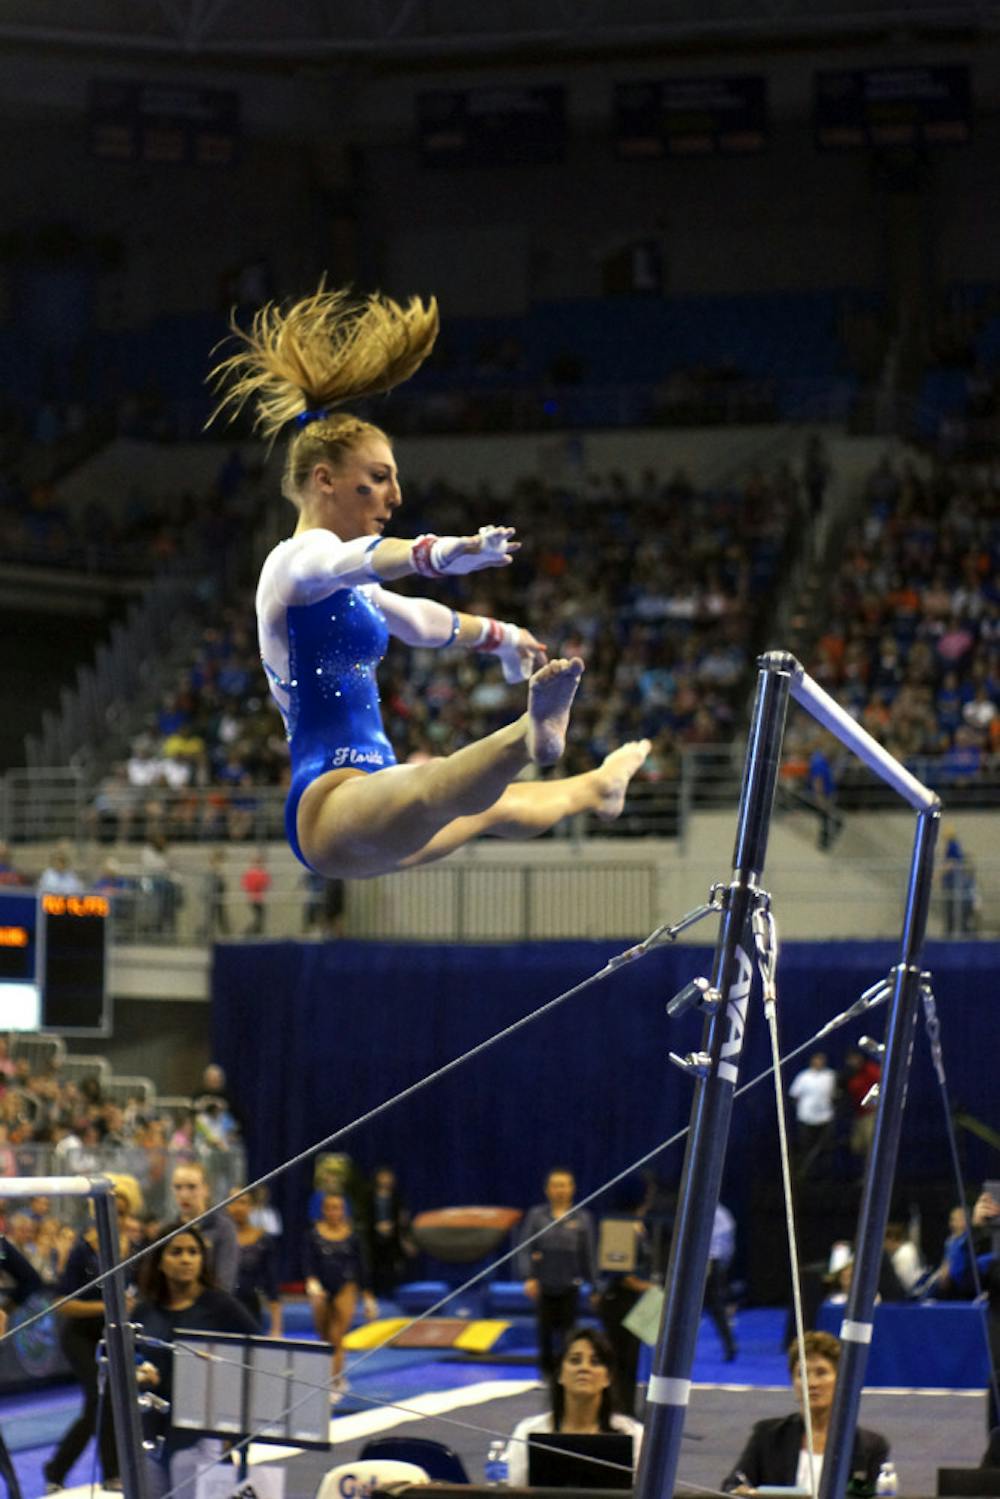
<point x="321" y="352"/>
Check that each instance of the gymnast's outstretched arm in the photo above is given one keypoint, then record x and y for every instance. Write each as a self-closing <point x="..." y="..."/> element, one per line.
<point x="426" y="623"/>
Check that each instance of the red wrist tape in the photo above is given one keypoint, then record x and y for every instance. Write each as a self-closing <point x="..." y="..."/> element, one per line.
<point x="492" y="636"/>
<point x="420" y="556"/>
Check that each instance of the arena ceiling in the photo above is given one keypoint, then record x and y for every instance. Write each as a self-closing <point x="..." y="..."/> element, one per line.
<point x="284" y="32"/>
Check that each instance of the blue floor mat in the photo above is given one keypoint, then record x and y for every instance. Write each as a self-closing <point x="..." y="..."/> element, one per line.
<point x="38" y="1420"/>
<point x="33" y="1423"/>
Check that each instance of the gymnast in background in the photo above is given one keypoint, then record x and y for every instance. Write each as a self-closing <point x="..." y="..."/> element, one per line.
<point x="324" y="614"/>
<point x="336" y="1272"/>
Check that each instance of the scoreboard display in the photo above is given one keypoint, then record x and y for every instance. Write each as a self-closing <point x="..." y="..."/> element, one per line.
<point x="53" y="963"/>
<point x="886" y="107"/>
<point x="492" y="127"/>
<point x="691" y="117"/>
<point x="164" y="124"/>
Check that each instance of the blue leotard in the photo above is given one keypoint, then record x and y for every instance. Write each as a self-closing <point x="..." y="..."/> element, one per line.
<point x="334" y="721"/>
<point x="335" y="1262"/>
<point x="324" y="621"/>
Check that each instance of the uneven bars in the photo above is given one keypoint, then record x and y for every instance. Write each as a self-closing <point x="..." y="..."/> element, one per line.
<point x="822" y="706"/>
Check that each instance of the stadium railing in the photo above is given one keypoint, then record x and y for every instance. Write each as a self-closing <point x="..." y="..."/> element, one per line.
<point x="41" y="806"/>
<point x="152" y="1169"/>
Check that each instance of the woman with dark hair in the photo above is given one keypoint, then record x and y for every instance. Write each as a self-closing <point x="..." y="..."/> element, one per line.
<point x="178" y="1296"/>
<point x="324" y="614"/>
<point x="336" y="1267"/>
<point x="776" y="1453"/>
<point x="582" y="1401"/>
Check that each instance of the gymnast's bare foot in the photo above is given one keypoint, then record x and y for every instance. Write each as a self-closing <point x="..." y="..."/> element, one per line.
<point x="550" y="696"/>
<point x="613" y="775"/>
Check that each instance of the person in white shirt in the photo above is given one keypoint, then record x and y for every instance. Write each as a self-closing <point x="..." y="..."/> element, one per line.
<point x="722" y="1247"/>
<point x="905" y="1255"/>
<point x="814" y="1090"/>
<point x="58" y="878"/>
<point x="582" y="1402"/>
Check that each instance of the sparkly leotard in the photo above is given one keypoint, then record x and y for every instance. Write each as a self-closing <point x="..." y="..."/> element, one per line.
<point x="334" y="721"/>
<point x="323" y="631"/>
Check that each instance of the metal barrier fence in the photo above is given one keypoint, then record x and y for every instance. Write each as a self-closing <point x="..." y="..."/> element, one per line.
<point x="481" y="901"/>
<point x="42" y="806"/>
<point x="453" y="902"/>
<point x="150" y="1167"/>
<point x="46" y="805"/>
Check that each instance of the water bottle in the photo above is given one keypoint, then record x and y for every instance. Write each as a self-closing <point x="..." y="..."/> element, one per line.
<point x="887" y="1481"/>
<point x="495" y="1469"/>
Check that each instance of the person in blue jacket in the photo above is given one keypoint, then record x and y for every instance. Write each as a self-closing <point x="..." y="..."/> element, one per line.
<point x="985" y="1216"/>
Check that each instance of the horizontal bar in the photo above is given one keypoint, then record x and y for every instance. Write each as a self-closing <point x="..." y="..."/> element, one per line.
<point x="832" y="716"/>
<point x="53" y="1186"/>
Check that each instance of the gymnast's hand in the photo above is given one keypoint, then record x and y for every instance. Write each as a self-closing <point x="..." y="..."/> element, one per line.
<point x="445" y="556"/>
<point x="520" y="659"/>
<point x="986" y="1210"/>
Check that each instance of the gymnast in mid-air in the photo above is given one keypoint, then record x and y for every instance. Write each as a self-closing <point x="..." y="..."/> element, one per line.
<point x="324" y="614"/>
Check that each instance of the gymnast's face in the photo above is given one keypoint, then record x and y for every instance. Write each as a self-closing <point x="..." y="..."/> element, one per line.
<point x="364" y="490"/>
<point x="334" y="1214"/>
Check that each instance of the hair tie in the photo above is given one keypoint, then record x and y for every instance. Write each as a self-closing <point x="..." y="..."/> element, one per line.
<point x="305" y="417"/>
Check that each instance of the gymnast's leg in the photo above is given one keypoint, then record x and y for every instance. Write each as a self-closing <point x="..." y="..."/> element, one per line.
<point x="368" y="825"/>
<point x="528" y="808"/>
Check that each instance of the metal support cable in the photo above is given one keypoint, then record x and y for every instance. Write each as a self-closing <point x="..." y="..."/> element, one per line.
<point x="631" y="954"/>
<point x="826" y="1029"/>
<point x="766" y="939"/>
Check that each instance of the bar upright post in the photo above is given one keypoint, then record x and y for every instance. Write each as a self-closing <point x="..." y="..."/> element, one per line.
<point x="856" y="1328"/>
<point x="732" y="975"/>
<point x="120" y="1346"/>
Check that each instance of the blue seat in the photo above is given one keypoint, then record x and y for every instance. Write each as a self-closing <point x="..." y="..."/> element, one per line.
<point x="437" y="1460"/>
<point x="508" y="1297"/>
<point x="420" y="1295"/>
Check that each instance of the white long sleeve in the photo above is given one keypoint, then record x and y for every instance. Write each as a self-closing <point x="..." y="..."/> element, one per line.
<point x="416" y="622"/>
<point x="312" y="565"/>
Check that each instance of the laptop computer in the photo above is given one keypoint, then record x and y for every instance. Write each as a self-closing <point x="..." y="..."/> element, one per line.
<point x="968" y="1483"/>
<point x="564" y="1460"/>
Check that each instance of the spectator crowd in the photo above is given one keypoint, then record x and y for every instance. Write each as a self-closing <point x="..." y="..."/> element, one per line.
<point x="660" y="587"/>
<point x="912" y="642"/>
<point x="52" y="1124"/>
